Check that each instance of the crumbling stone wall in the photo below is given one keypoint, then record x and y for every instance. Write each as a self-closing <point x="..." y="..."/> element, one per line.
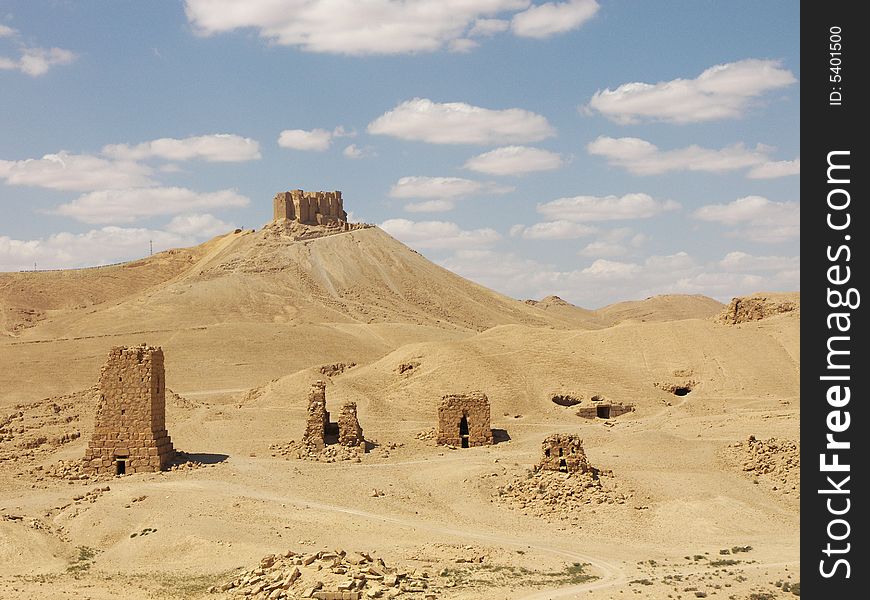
<point x="463" y="420"/>
<point x="563" y="452"/>
<point x="318" y="427"/>
<point x="349" y="431"/>
<point x="318" y="418"/>
<point x="130" y="432"/>
<point x="310" y="208"/>
<point x="604" y="410"/>
<point x="755" y="308"/>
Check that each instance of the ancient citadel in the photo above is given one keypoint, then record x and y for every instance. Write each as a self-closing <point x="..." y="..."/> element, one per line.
<point x="309" y="208"/>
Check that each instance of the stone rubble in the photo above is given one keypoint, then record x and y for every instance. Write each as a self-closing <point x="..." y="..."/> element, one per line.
<point x="559" y="496"/>
<point x="774" y="461"/>
<point x="328" y="575"/>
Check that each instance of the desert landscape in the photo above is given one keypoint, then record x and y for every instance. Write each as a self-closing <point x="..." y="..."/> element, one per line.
<point x="679" y="416"/>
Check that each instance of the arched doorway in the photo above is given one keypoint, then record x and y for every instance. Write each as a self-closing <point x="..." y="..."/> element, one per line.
<point x="463" y="431"/>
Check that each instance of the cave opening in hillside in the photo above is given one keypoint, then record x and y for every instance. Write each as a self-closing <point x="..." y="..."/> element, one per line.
<point x="681" y="391"/>
<point x="603" y="412"/>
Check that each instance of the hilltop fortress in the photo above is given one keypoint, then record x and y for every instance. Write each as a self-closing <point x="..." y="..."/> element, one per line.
<point x="309" y="208"/>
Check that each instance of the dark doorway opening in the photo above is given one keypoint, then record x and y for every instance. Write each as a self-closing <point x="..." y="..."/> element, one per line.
<point x="603" y="412"/>
<point x="120" y="467"/>
<point x="563" y="466"/>
<point x="681" y="391"/>
<point x="463" y="431"/>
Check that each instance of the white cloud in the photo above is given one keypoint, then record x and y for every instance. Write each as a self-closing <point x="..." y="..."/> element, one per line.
<point x="720" y="92"/>
<point x="607" y="281"/>
<point x="75" y="172"/>
<point x="643" y="158"/>
<point x="37" y="61"/>
<point x="460" y="123"/>
<point x="614" y="242"/>
<point x="514" y="160"/>
<point x="96" y="247"/>
<point x="462" y="45"/>
<point x="198" y="225"/>
<point x="741" y="261"/>
<point x="430" y="206"/>
<point x="6" y="31"/>
<point x="356" y="152"/>
<point x="439" y="235"/>
<point x="219" y="147"/>
<point x="317" y="140"/>
<point x="551" y="18"/>
<point x="488" y="27"/>
<point x="605" y="208"/>
<point x="552" y="230"/>
<point x="443" y="188"/>
<point x="774" y="169"/>
<point x="602" y="248"/>
<point x="125" y="206"/>
<point x="349" y="26"/>
<point x="756" y="218"/>
<point x="609" y="269"/>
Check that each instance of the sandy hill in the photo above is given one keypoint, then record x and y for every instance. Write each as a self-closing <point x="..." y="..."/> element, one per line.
<point x="255" y="304"/>
<point x="557" y="307"/>
<point x="668" y="307"/>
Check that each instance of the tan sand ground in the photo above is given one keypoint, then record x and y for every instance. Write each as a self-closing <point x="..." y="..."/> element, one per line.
<point x="246" y="321"/>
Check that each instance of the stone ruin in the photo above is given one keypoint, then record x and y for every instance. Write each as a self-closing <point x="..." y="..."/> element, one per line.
<point x="604" y="409"/>
<point x="130" y="432"/>
<point x="463" y="420"/>
<point x="310" y="208"/>
<point x="320" y="431"/>
<point x="563" y="452"/>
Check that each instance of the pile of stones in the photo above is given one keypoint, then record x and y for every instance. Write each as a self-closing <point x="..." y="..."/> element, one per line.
<point x="559" y="496"/>
<point x="327" y="575"/>
<point x="776" y="461"/>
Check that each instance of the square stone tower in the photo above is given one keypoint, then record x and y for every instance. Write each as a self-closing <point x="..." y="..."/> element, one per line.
<point x="463" y="420"/>
<point x="130" y="432"/>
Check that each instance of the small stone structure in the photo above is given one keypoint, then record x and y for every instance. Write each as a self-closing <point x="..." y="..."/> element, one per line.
<point x="604" y="409"/>
<point x="130" y="434"/>
<point x="319" y="429"/>
<point x="563" y="452"/>
<point x="349" y="431"/>
<point x="310" y="208"/>
<point x="463" y="420"/>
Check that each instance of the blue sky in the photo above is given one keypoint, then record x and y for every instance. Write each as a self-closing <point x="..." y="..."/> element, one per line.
<point x="600" y="151"/>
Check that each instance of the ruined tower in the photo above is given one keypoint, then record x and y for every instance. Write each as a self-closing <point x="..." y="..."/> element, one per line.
<point x="310" y="208"/>
<point x="320" y="431"/>
<point x="317" y="422"/>
<point x="130" y="431"/>
<point x="563" y="452"/>
<point x="463" y="420"/>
